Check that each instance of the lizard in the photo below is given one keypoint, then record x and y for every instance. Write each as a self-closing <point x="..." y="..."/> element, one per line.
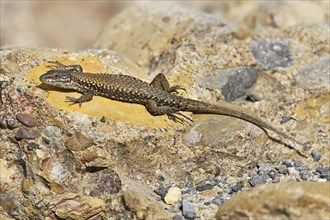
<point x="158" y="97"/>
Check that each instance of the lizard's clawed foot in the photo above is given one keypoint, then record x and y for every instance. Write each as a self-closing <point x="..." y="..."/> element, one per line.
<point x="55" y="65"/>
<point x="74" y="100"/>
<point x="181" y="119"/>
<point x="174" y="89"/>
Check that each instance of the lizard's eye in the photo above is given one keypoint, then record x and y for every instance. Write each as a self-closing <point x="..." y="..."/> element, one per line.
<point x="56" y="75"/>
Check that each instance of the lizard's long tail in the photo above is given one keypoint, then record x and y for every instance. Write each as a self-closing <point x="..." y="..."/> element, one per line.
<point x="198" y="107"/>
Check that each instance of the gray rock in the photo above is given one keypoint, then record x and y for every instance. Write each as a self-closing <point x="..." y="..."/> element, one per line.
<point x="324" y="172"/>
<point x="272" y="53"/>
<point x="297" y="163"/>
<point x="306" y="175"/>
<point x="8" y="121"/>
<point x="264" y="166"/>
<point x="257" y="180"/>
<point x="206" y="185"/>
<point x="178" y="217"/>
<point x="273" y="174"/>
<point x="232" y="82"/>
<point x="314" y="76"/>
<point x="288" y="163"/>
<point x="188" y="209"/>
<point x="25" y="134"/>
<point x="282" y="169"/>
<point x="237" y="187"/>
<point x="316" y="155"/>
<point x="218" y="201"/>
<point x="52" y="133"/>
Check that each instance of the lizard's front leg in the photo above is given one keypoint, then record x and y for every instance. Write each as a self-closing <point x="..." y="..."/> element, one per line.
<point x="162" y="83"/>
<point x="86" y="97"/>
<point x="59" y="66"/>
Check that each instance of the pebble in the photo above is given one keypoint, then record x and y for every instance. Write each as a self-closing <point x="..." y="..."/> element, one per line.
<point x="288" y="163"/>
<point x="293" y="172"/>
<point x="188" y="209"/>
<point x="32" y="146"/>
<point x="324" y="172"/>
<point x="237" y="187"/>
<point x="161" y="191"/>
<point x="272" y="53"/>
<point x="24" y="134"/>
<point x="218" y="201"/>
<point x="8" y="121"/>
<point x="178" y="217"/>
<point x="306" y="175"/>
<point x="173" y="195"/>
<point x="206" y="185"/>
<point x="282" y="169"/>
<point x="27" y="120"/>
<point x="273" y="174"/>
<point x="256" y="180"/>
<point x="297" y="163"/>
<point x="264" y="166"/>
<point x="316" y="155"/>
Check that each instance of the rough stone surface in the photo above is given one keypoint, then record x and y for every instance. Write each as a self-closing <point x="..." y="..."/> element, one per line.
<point x="316" y="75"/>
<point x="143" y="207"/>
<point x="272" y="53"/>
<point x="280" y="201"/>
<point x="109" y="150"/>
<point x="232" y="82"/>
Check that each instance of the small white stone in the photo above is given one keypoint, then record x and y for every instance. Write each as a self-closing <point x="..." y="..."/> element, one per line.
<point x="173" y="195"/>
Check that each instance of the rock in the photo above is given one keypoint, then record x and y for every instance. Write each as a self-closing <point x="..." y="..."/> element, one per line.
<point x="188" y="209"/>
<point x="315" y="75"/>
<point x="206" y="185"/>
<point x="316" y="107"/>
<point x="282" y="14"/>
<point x="78" y="142"/>
<point x="232" y="82"/>
<point x="52" y="133"/>
<point x="27" y="120"/>
<point x="282" y="169"/>
<point x="316" y="155"/>
<point x="237" y="187"/>
<point x="25" y="134"/>
<point x="173" y="195"/>
<point x="8" y="121"/>
<point x="257" y="180"/>
<point x="32" y="146"/>
<point x="102" y="183"/>
<point x="74" y="206"/>
<point x="324" y="172"/>
<point x="143" y="207"/>
<point x="273" y="201"/>
<point x="272" y="53"/>
<point x="218" y="201"/>
<point x="178" y="217"/>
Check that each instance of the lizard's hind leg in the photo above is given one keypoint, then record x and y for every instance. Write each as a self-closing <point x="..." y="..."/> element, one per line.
<point x="171" y="112"/>
<point x="162" y="83"/>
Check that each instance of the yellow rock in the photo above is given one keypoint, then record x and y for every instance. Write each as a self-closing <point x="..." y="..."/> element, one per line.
<point x="316" y="107"/>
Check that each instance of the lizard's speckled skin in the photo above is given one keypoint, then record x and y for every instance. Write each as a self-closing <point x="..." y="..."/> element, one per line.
<point x="156" y="96"/>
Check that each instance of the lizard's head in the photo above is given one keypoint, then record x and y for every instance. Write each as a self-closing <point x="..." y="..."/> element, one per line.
<point x="57" y="78"/>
